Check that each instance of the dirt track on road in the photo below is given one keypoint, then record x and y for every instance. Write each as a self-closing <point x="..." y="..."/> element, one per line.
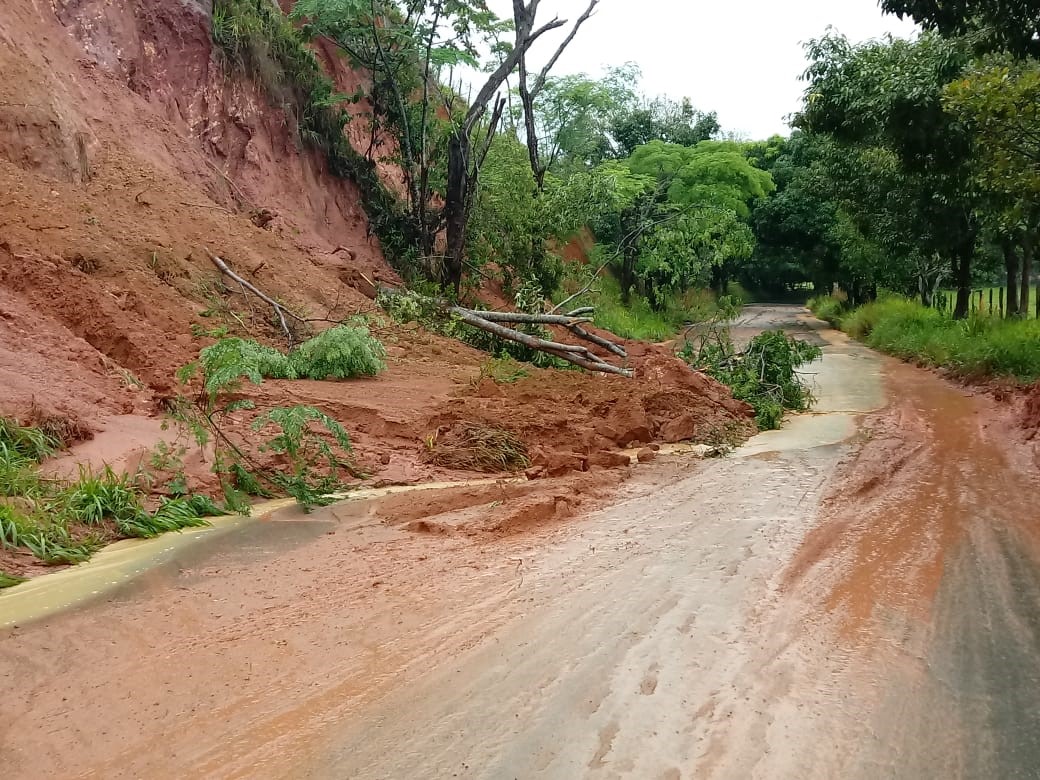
<point x="853" y="596"/>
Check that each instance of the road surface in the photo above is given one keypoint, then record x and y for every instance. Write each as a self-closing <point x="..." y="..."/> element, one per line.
<point x="855" y="596"/>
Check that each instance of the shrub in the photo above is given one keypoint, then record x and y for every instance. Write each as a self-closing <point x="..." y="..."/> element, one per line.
<point x="314" y="466"/>
<point x="230" y="360"/>
<point x="827" y="308"/>
<point x="341" y="352"/>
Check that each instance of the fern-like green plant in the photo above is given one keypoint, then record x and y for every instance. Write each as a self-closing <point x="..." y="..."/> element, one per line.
<point x="225" y="364"/>
<point x="342" y="352"/>
<point x="314" y="464"/>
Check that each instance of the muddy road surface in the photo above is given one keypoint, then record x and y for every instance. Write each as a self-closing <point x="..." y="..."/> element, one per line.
<point x="857" y="595"/>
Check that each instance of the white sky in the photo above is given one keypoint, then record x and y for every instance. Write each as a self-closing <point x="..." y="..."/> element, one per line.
<point x="741" y="58"/>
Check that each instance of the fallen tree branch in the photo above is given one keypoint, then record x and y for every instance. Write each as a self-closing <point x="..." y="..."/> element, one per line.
<point x="582" y="312"/>
<point x="599" y="341"/>
<point x="579" y="356"/>
<point x="530" y="319"/>
<point x="280" y="310"/>
<point x="569" y="321"/>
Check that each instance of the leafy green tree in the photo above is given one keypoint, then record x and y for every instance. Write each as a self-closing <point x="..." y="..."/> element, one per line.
<point x="888" y="94"/>
<point x="713" y="173"/>
<point x="694" y="248"/>
<point x="999" y="99"/>
<point x="572" y="116"/>
<point x="661" y="120"/>
<point x="1011" y="25"/>
<point x="438" y="136"/>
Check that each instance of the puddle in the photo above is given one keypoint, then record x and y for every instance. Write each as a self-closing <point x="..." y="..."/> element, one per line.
<point x="118" y="564"/>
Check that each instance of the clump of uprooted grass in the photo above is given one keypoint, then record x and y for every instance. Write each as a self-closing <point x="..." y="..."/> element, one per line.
<point x="473" y="447"/>
<point x="65" y="522"/>
<point x="977" y="347"/>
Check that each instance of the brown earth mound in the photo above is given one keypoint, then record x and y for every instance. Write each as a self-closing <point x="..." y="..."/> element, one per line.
<point x="127" y="150"/>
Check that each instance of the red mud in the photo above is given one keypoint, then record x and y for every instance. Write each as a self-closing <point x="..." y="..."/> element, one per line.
<point x="1031" y="412"/>
<point x="126" y="150"/>
<point x="935" y="461"/>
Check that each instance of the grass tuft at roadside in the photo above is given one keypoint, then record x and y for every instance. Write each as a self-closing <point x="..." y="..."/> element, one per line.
<point x="974" y="348"/>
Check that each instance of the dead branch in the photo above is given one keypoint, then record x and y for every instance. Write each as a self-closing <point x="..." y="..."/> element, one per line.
<point x="530" y="319"/>
<point x="572" y="322"/>
<point x="280" y="310"/>
<point x="577" y="355"/>
<point x="599" y="341"/>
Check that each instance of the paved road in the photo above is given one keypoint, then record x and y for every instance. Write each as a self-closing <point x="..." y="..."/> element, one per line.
<point x="856" y="595"/>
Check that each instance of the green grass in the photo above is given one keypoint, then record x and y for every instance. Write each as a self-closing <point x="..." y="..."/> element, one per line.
<point x="977" y="347"/>
<point x="62" y="522"/>
<point x="8" y="581"/>
<point x="828" y="308"/>
<point x="638" y="320"/>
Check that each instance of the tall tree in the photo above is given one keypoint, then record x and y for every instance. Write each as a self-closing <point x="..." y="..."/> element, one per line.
<point x="661" y="119"/>
<point x="404" y="45"/>
<point x="889" y="94"/>
<point x="530" y="90"/>
<point x="571" y="119"/>
<point x="999" y="99"/>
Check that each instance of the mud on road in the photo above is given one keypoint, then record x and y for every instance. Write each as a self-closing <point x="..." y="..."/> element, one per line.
<point x="853" y="596"/>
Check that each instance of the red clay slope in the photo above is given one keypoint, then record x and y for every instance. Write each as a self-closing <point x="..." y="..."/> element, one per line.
<point x="126" y="150"/>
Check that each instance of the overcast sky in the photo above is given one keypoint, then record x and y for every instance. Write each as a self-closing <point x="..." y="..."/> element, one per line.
<point x="741" y="58"/>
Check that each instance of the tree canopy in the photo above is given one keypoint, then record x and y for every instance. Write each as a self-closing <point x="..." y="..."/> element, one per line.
<point x="1008" y="25"/>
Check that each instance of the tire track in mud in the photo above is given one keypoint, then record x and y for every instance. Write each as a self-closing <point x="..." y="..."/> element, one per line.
<point x="927" y="561"/>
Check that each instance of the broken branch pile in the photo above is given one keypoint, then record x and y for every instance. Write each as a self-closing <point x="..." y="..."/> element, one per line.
<point x="495" y="322"/>
<point x="576" y="354"/>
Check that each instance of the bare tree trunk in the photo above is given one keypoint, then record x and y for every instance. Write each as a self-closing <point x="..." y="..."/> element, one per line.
<point x="462" y="178"/>
<point x="455" y="199"/>
<point x="1011" y="267"/>
<point x="528" y="94"/>
<point x="1028" y="242"/>
<point x="962" y="277"/>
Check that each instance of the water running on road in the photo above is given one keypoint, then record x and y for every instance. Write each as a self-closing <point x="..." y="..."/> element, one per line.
<point x="717" y="622"/>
